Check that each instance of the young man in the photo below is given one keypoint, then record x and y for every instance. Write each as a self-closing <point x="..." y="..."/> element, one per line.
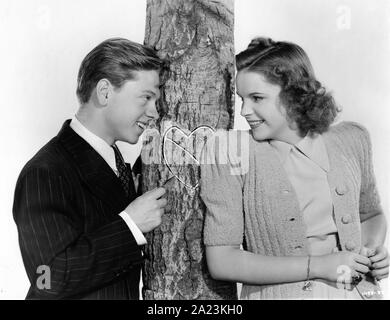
<point x="75" y="203"/>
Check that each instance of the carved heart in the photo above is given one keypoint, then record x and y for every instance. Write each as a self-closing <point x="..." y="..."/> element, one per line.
<point x="182" y="153"/>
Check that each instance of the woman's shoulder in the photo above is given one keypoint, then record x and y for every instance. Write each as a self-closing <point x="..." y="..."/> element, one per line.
<point x="232" y="143"/>
<point x="229" y="134"/>
<point x="234" y="148"/>
<point x="229" y="137"/>
<point x="349" y="134"/>
<point x="223" y="146"/>
<point x="350" y="128"/>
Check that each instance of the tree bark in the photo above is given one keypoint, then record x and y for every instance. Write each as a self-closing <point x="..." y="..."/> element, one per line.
<point x="195" y="37"/>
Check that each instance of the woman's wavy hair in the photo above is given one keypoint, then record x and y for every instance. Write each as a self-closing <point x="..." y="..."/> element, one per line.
<point x="307" y="102"/>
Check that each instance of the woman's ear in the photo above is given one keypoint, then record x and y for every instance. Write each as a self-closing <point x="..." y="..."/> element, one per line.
<point x="282" y="109"/>
<point x="103" y="91"/>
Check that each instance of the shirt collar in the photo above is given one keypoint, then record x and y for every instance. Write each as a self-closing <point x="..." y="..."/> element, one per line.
<point x="97" y="143"/>
<point x="282" y="148"/>
<point x="312" y="146"/>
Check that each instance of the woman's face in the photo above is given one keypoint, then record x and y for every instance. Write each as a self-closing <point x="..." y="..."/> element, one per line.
<point x="262" y="108"/>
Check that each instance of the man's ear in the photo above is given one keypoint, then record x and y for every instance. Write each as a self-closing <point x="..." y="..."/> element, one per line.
<point x="103" y="91"/>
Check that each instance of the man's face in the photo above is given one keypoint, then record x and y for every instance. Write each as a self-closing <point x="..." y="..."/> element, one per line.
<point x="132" y="106"/>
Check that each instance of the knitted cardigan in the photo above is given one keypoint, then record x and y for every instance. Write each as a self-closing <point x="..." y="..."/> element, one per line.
<point x="246" y="191"/>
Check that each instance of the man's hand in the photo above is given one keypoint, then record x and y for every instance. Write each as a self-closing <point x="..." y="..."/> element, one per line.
<point x="146" y="210"/>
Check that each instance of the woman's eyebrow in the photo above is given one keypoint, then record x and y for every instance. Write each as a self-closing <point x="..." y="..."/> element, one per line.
<point x="252" y="93"/>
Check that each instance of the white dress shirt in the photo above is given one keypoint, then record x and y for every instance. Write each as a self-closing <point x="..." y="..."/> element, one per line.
<point x="107" y="153"/>
<point x="306" y="165"/>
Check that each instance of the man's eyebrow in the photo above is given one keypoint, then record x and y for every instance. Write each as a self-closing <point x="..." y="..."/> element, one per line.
<point x="150" y="92"/>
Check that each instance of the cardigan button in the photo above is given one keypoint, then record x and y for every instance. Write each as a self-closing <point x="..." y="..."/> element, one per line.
<point x="341" y="190"/>
<point x="346" y="219"/>
<point x="350" y="246"/>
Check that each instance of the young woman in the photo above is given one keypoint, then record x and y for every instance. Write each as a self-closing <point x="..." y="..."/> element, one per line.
<point x="307" y="210"/>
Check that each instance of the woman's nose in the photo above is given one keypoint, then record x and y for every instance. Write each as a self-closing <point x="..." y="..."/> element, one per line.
<point x="245" y="109"/>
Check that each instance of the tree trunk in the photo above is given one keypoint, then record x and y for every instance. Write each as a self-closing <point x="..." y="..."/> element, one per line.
<point x="195" y="37"/>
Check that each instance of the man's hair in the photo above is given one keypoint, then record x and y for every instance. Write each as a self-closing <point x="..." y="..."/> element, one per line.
<point x="286" y="64"/>
<point x="116" y="60"/>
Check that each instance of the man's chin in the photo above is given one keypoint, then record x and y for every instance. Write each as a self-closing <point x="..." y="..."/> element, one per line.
<point x="131" y="140"/>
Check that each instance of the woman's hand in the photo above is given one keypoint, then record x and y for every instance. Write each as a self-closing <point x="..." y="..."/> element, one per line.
<point x="341" y="266"/>
<point x="380" y="263"/>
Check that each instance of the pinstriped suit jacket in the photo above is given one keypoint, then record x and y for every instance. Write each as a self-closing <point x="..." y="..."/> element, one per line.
<point x="66" y="207"/>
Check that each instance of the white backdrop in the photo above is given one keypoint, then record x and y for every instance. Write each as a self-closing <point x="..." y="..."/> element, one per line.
<point x="43" y="43"/>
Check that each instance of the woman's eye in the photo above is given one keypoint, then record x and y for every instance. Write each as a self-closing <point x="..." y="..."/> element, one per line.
<point x="257" y="99"/>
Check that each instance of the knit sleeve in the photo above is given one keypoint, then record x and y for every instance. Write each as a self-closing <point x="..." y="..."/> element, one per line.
<point x="221" y="191"/>
<point x="369" y="203"/>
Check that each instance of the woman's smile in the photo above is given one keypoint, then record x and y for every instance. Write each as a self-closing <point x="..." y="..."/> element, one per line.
<point x="255" y="123"/>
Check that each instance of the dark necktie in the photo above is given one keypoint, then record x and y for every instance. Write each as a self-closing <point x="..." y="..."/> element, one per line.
<point x="124" y="174"/>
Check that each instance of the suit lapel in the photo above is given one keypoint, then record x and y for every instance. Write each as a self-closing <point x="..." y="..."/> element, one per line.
<point x="93" y="169"/>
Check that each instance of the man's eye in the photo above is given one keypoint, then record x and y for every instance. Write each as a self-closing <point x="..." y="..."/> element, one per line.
<point x="146" y="98"/>
<point x="257" y="99"/>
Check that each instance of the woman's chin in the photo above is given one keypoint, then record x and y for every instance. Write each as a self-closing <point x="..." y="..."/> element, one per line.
<point x="259" y="135"/>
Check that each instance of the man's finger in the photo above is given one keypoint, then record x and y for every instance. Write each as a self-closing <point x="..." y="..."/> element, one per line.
<point x="161" y="203"/>
<point x="169" y="181"/>
<point x="156" y="193"/>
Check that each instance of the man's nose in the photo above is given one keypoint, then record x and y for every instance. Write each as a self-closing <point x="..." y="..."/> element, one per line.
<point x="151" y="111"/>
<point x="245" y="109"/>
